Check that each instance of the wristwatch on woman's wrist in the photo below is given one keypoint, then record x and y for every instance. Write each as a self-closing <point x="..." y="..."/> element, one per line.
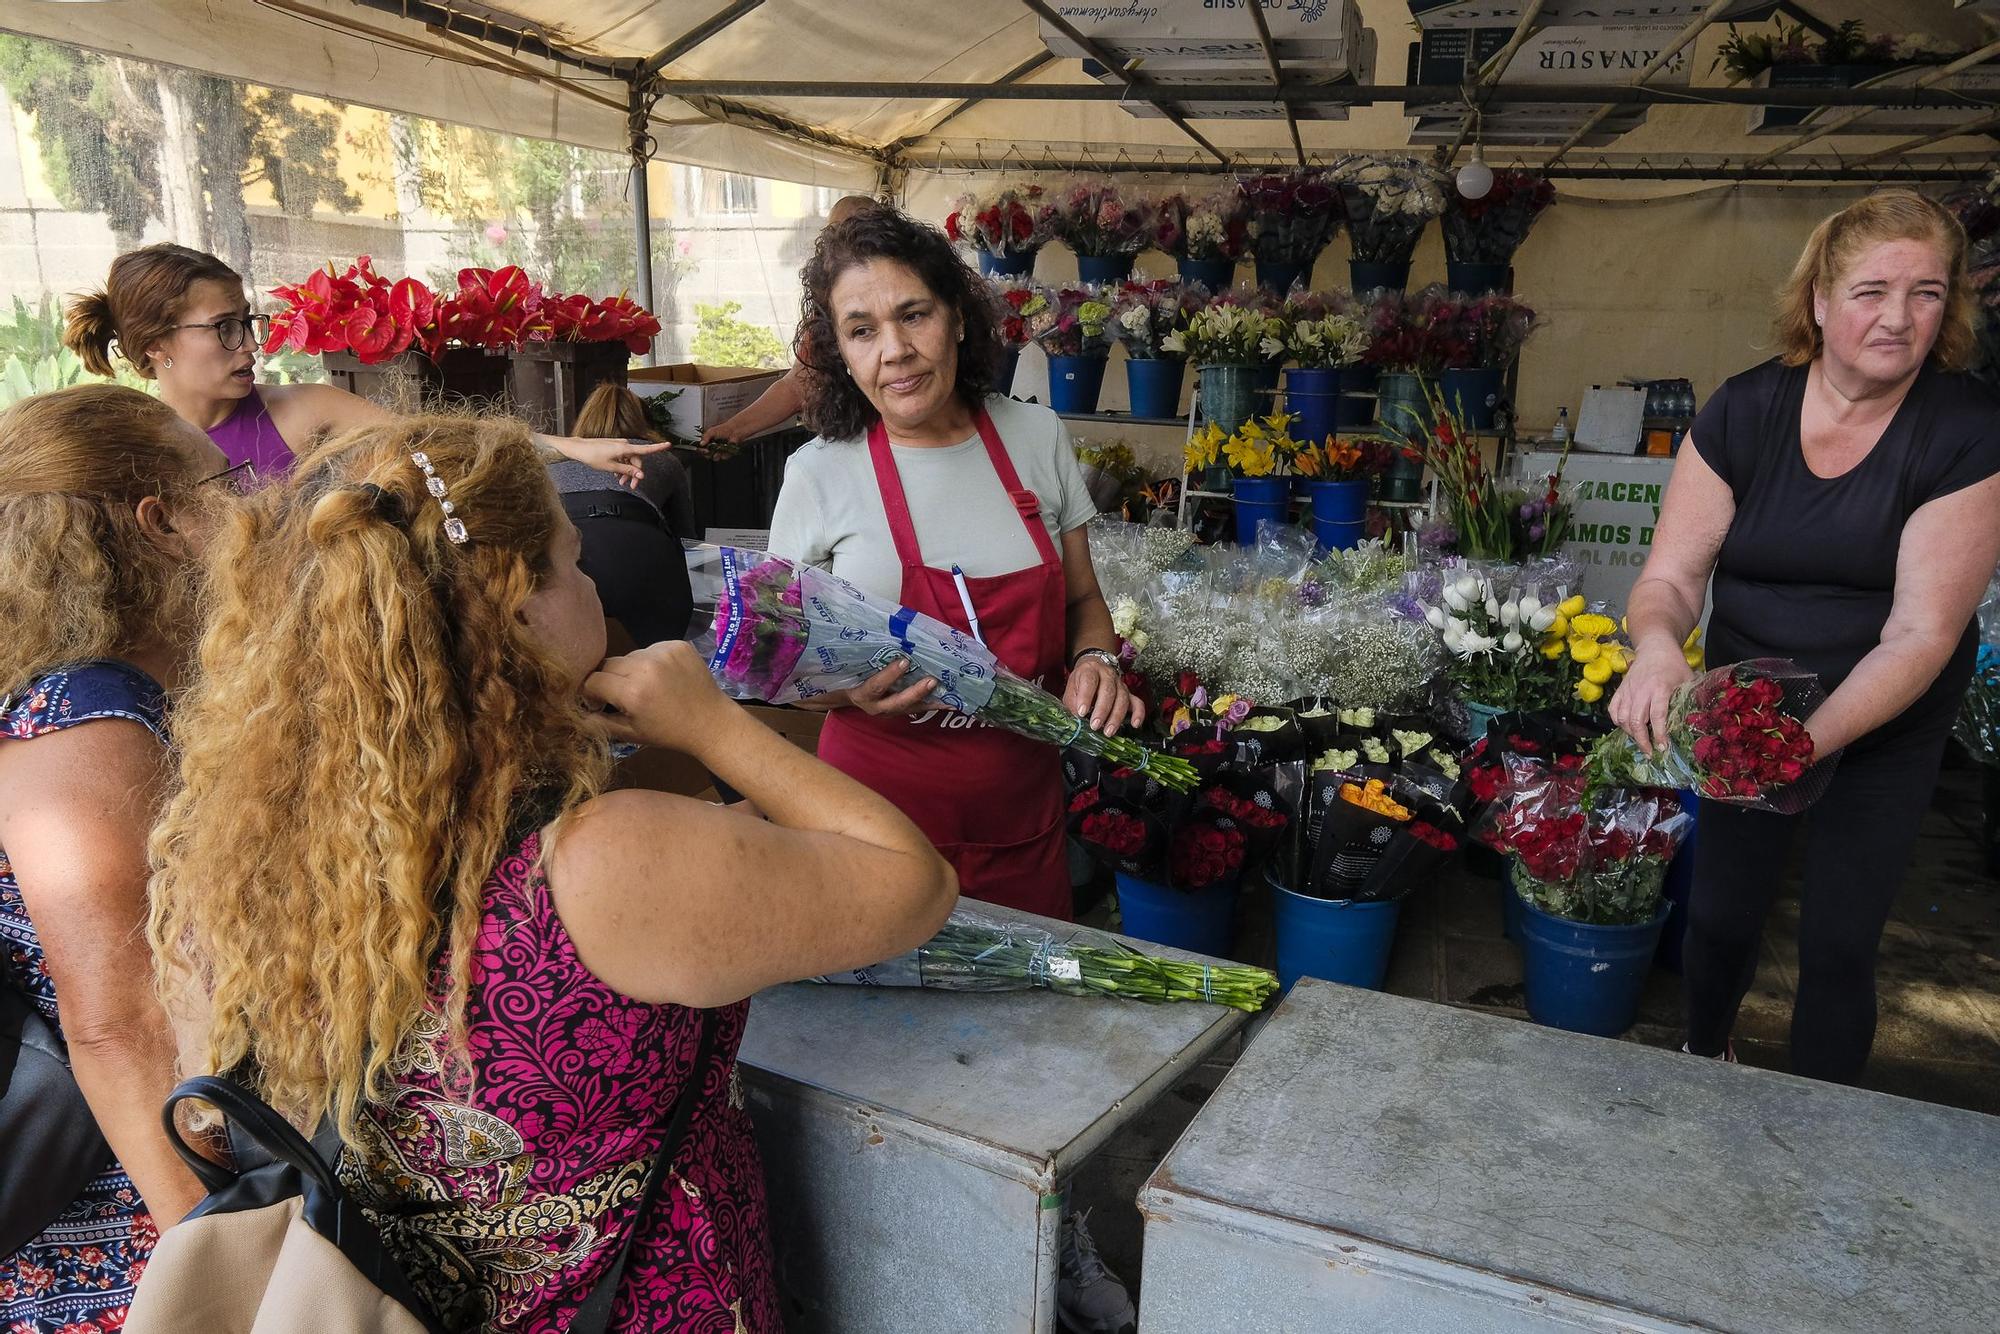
<point x="1105" y="656"/>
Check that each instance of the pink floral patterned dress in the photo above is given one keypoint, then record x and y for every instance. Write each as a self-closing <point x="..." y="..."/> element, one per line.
<point x="507" y="1203"/>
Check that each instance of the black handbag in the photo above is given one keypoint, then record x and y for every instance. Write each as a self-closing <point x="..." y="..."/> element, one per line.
<point x="298" y="1252"/>
<point x="50" y="1146"/>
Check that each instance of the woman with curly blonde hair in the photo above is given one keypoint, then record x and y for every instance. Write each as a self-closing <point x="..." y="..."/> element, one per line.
<point x="100" y="514"/>
<point x="1845" y="498"/>
<point x="390" y="873"/>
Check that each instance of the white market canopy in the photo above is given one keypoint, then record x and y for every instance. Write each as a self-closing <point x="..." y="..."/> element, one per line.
<point x="739" y="84"/>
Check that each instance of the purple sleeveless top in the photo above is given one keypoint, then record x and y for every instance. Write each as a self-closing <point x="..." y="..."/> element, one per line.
<point x="507" y="1203"/>
<point x="249" y="435"/>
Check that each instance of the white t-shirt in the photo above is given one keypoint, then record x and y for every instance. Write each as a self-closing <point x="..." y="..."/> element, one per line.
<point x="830" y="512"/>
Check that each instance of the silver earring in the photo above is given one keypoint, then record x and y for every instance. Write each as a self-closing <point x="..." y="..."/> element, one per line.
<point x="961" y="335"/>
<point x="170" y="363"/>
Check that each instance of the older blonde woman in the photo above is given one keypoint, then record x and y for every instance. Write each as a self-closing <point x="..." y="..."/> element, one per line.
<point x="1844" y="498"/>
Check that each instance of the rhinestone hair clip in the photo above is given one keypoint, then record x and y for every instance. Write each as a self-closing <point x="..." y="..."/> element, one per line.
<point x="454" y="527"/>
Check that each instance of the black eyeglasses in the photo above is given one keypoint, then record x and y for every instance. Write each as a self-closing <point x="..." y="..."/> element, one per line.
<point x="231" y="330"/>
<point x="241" y="478"/>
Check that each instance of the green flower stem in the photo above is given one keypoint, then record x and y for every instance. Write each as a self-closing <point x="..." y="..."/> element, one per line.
<point x="967" y="956"/>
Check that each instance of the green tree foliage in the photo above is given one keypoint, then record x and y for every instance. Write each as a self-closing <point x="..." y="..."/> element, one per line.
<point x="720" y="339"/>
<point x="95" y="127"/>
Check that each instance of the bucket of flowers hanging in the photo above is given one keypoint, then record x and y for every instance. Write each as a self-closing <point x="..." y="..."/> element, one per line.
<point x="1005" y="228"/>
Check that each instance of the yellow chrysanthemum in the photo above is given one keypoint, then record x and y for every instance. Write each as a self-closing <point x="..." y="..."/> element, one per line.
<point x="1593" y="624"/>
<point x="1559" y="627"/>
<point x="1589" y="691"/>
<point x="1584" y="650"/>
<point x="1598" y="670"/>
<point x="1571" y="605"/>
<point x="1619" y="657"/>
<point x="1553" y="648"/>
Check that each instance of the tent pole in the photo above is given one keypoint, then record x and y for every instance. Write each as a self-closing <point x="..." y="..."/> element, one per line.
<point x="640" y="144"/>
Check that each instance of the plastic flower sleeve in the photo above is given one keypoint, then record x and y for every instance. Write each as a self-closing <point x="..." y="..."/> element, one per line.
<point x="978" y="952"/>
<point x="785" y="632"/>
<point x="1735" y="734"/>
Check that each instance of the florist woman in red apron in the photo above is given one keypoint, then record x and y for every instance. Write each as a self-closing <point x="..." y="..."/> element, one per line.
<point x="925" y="486"/>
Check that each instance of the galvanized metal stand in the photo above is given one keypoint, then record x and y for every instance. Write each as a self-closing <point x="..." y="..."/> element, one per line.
<point x="1375" y="1163"/>
<point x="917" y="1144"/>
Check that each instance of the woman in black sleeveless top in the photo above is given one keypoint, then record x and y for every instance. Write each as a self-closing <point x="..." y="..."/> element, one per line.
<point x="1846" y="499"/>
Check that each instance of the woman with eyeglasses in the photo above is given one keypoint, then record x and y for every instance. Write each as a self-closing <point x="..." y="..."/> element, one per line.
<point x="182" y="317"/>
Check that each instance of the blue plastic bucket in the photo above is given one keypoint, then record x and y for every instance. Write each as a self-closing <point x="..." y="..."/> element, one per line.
<point x="1104" y="268"/>
<point x="1340" y="513"/>
<point x="1155" y="386"/>
<point x="1257" y="500"/>
<point x="1338" y="940"/>
<point x="1074" y="382"/>
<point x="1017" y="265"/>
<point x="1199" y="921"/>
<point x="1585" y="978"/>
<point x="1313" y="397"/>
<point x="1366" y="277"/>
<point x="1473" y="393"/>
<point x="1475" y="279"/>
<point x="1680" y="883"/>
<point x="1216" y="275"/>
<point x="1279" y="276"/>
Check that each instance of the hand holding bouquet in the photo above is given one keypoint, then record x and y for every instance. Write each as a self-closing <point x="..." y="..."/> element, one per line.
<point x="786" y="632"/>
<point x="1735" y="734"/>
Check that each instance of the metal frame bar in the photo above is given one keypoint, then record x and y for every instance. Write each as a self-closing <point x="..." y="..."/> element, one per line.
<point x="693" y="37"/>
<point x="1987" y="126"/>
<point x="1039" y="60"/>
<point x="1653" y="67"/>
<point x="1923" y="82"/>
<point x="1134" y="85"/>
<point x="521" y="41"/>
<point x="1324" y="94"/>
<point x="1948" y="168"/>
<point x="1278" y="75"/>
<point x="1488" y="76"/>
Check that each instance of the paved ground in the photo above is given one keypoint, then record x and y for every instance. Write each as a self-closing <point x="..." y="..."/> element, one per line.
<point x="1939" y="987"/>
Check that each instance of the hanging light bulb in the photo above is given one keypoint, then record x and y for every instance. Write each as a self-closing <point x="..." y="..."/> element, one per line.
<point x="1475" y="178"/>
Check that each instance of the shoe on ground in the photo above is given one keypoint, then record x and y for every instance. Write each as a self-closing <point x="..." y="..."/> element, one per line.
<point x="1728" y="1056"/>
<point x="1089" y="1298"/>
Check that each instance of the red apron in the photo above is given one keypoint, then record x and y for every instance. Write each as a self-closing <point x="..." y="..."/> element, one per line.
<point x="991" y="801"/>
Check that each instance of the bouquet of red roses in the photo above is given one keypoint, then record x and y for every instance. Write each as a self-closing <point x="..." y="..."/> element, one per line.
<point x="1203" y="845"/>
<point x="1735" y="734"/>
<point x="1598" y="857"/>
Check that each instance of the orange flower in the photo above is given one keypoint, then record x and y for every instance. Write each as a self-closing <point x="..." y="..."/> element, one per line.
<point x="1374" y="796"/>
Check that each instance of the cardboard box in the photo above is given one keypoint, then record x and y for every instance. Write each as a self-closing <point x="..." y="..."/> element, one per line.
<point x="1507" y="13"/>
<point x="1169" y="35"/>
<point x="704" y="395"/>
